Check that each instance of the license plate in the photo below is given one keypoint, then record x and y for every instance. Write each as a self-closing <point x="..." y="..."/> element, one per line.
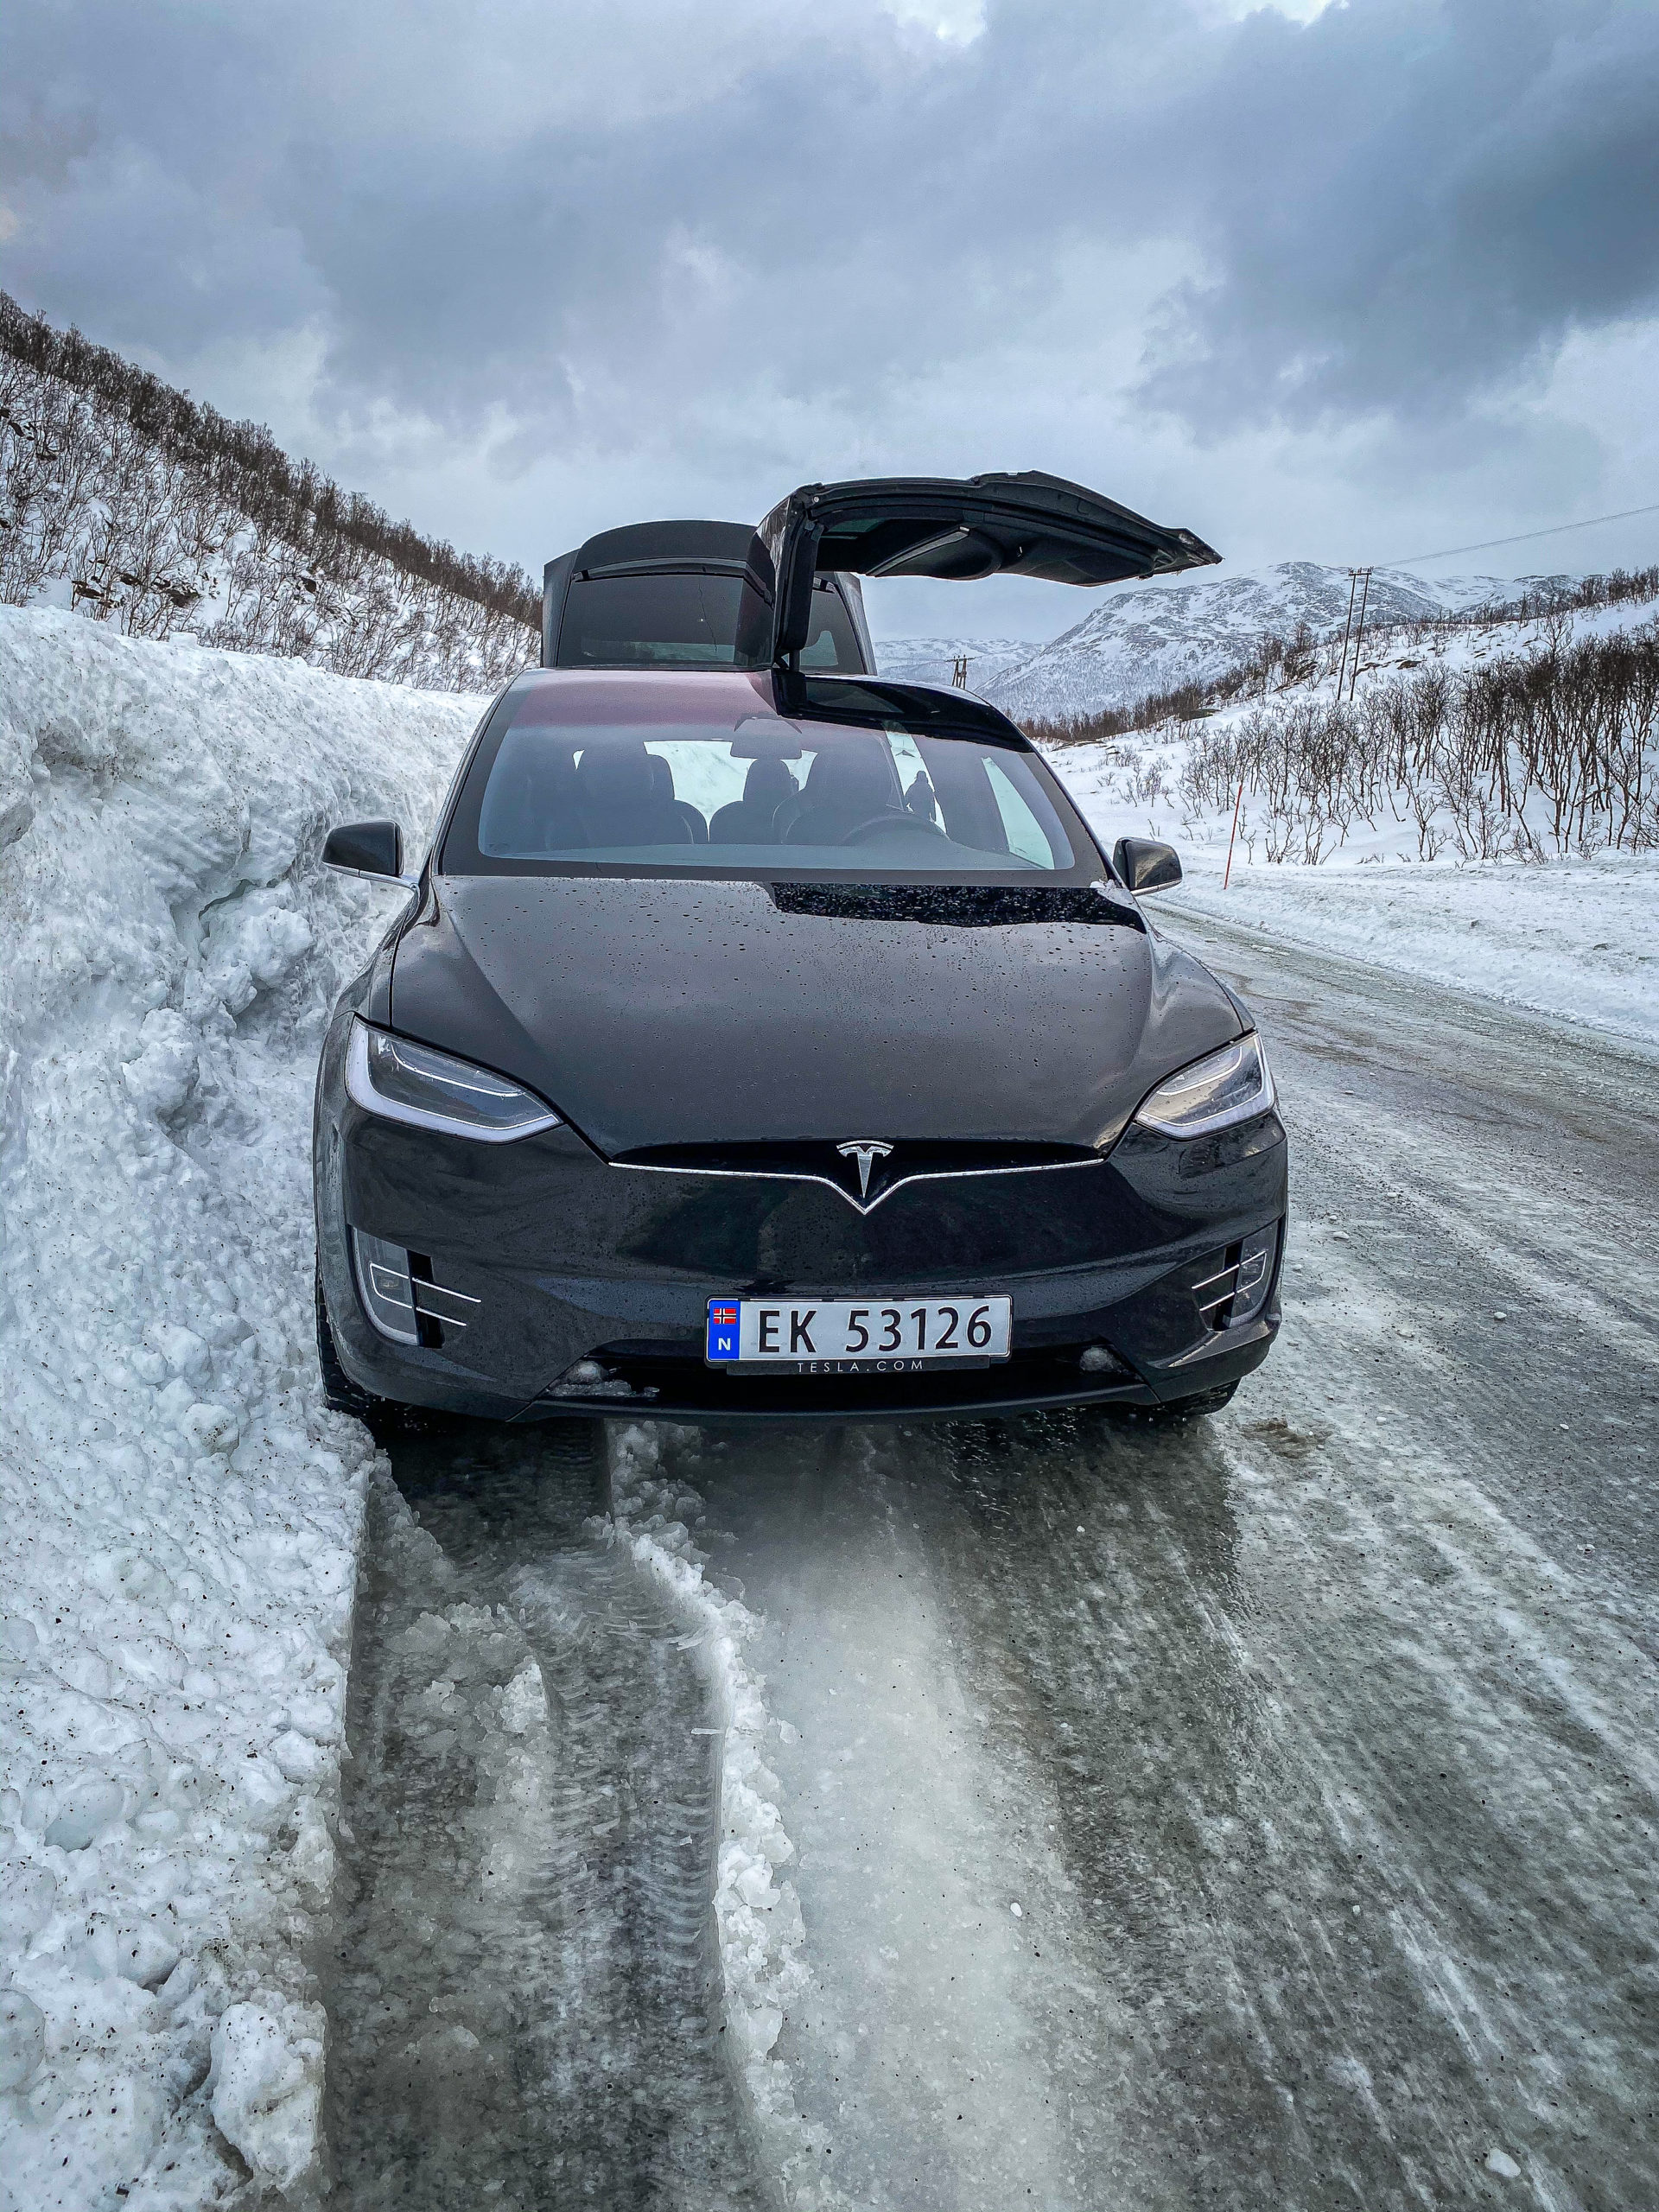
<point x="826" y="1336"/>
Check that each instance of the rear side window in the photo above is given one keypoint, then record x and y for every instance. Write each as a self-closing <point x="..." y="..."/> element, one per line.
<point x="676" y="619"/>
<point x="1025" y="835"/>
<point x="830" y="643"/>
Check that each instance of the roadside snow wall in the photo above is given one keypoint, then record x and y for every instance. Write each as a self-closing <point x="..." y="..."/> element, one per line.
<point x="179" y="1514"/>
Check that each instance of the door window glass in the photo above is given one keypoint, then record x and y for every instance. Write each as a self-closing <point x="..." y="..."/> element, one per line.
<point x="1024" y="833"/>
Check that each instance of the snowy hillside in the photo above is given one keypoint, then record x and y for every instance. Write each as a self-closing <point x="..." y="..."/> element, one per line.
<point x="179" y="1514"/>
<point x="134" y="505"/>
<point x="1162" y="635"/>
<point x="1152" y="638"/>
<point x="1433" y="875"/>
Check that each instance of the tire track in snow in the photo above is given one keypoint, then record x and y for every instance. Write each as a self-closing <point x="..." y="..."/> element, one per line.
<point x="524" y="2006"/>
<point x="1374" y="1894"/>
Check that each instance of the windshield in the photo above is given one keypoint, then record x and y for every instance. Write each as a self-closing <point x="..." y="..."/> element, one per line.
<point x="672" y="618"/>
<point x="768" y="796"/>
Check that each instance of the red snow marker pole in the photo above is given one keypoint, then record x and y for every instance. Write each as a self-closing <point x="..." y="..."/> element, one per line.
<point x="1237" y="802"/>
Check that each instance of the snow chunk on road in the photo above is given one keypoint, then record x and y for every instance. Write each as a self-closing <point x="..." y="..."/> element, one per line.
<point x="179" y="1514"/>
<point x="267" y="2075"/>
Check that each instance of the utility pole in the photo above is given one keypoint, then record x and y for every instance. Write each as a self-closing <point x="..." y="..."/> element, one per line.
<point x="1347" y="630"/>
<point x="1232" y="835"/>
<point x="959" y="673"/>
<point x="1356" y="576"/>
<point x="1359" y="628"/>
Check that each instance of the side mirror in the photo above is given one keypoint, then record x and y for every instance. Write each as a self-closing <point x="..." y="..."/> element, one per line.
<point x="1145" y="865"/>
<point x="370" y="848"/>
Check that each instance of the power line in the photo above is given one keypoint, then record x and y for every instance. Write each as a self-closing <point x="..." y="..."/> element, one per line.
<point x="1521" y="537"/>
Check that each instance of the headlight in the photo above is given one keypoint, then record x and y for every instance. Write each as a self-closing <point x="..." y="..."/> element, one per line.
<point x="405" y="1082"/>
<point x="1224" y="1087"/>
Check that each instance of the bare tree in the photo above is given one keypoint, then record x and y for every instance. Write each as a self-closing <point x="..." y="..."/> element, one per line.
<point x="157" y="513"/>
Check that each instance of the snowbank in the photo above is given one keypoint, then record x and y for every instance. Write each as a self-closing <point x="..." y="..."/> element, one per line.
<point x="179" y="1514"/>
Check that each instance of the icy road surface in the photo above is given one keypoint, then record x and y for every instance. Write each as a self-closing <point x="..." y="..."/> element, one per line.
<point x="1260" y="1816"/>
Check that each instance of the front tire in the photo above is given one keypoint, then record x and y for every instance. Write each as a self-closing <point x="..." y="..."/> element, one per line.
<point x="339" y="1392"/>
<point x="387" y="1419"/>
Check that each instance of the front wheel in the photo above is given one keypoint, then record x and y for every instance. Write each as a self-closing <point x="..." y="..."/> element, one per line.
<point x="339" y="1392"/>
<point x="387" y="1418"/>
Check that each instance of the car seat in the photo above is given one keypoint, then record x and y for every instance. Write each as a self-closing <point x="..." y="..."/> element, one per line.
<point x="529" y="803"/>
<point x="617" y="802"/>
<point x="849" y="782"/>
<point x="749" y="820"/>
<point x="662" y="778"/>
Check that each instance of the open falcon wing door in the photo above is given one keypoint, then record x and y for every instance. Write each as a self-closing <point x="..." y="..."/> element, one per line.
<point x="1028" y="524"/>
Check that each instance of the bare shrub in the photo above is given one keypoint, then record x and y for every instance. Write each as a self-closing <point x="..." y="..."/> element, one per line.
<point x="1571" y="729"/>
<point x="1186" y="702"/>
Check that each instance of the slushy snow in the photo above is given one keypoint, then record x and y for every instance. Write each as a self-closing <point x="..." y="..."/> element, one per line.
<point x="757" y="1914"/>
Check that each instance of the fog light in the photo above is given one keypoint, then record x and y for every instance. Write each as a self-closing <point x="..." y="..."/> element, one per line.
<point x="1098" y="1359"/>
<point x="585" y="1370"/>
<point x="1256" y="1258"/>
<point x="384" y="1283"/>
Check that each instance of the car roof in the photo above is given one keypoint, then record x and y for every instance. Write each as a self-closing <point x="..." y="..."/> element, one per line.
<point x="698" y="697"/>
<point x="666" y="697"/>
<point x="637" y="544"/>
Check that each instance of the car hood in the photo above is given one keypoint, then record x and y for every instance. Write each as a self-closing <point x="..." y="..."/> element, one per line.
<point x="652" y="1012"/>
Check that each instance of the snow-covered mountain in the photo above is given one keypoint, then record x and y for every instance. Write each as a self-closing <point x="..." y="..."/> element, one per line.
<point x="1156" y="636"/>
<point x="933" y="660"/>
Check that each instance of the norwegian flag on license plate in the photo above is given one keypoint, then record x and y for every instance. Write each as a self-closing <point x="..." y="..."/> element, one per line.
<point x="725" y="1316"/>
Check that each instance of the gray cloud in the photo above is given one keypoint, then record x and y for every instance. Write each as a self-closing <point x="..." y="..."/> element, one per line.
<point x="1402" y="204"/>
<point x="646" y="241"/>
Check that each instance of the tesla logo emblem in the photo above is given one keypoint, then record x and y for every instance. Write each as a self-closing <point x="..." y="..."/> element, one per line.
<point x="866" y="1154"/>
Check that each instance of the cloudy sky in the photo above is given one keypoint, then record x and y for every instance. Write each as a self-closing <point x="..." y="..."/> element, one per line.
<point x="1345" y="283"/>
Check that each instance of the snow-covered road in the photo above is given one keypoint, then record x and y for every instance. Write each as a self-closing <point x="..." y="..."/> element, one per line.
<point x="1314" y="1749"/>
<point x="1262" y="1816"/>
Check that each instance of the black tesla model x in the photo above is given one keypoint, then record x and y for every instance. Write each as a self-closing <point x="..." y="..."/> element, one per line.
<point x="763" y="1037"/>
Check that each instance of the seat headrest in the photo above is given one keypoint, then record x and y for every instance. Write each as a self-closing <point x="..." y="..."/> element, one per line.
<point x="768" y="779"/>
<point x="615" y="771"/>
<point x="852" y="772"/>
<point x="662" y="779"/>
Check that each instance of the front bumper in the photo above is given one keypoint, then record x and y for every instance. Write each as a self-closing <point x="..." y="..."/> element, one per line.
<point x="559" y="1258"/>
